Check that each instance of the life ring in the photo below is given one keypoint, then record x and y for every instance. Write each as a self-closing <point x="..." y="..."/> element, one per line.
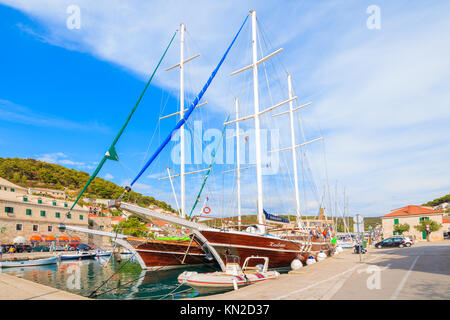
<point x="206" y="210"/>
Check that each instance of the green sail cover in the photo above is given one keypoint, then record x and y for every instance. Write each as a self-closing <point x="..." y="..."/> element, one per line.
<point x="174" y="239"/>
<point x="111" y="154"/>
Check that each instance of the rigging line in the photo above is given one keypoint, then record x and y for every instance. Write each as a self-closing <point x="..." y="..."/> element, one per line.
<point x="92" y="294"/>
<point x="265" y="71"/>
<point x="111" y="153"/>
<point x="158" y="126"/>
<point x="191" y="108"/>
<point x="219" y="143"/>
<point x="121" y="285"/>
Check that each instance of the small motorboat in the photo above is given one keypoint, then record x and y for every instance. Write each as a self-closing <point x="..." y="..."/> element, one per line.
<point x="103" y="253"/>
<point x="79" y="255"/>
<point x="233" y="277"/>
<point x="28" y="263"/>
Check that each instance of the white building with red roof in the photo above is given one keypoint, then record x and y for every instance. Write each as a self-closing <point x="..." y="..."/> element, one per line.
<point x="413" y="216"/>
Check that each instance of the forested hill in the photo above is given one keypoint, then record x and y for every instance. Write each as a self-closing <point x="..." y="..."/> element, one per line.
<point x="438" y="201"/>
<point x="34" y="173"/>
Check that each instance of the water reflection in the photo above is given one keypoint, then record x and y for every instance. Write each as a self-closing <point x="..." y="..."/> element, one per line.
<point x="109" y="279"/>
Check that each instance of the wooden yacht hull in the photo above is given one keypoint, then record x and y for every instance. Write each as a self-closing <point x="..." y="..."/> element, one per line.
<point x="163" y="254"/>
<point x="280" y="252"/>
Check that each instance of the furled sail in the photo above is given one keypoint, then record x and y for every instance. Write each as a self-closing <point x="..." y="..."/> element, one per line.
<point x="273" y="217"/>
<point x="111" y="154"/>
<point x="182" y="121"/>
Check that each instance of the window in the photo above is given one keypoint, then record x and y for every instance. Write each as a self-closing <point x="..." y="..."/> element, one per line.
<point x="65" y="205"/>
<point x="25" y="199"/>
<point x="39" y="200"/>
<point x="12" y="190"/>
<point x="28" y="212"/>
<point x="395" y="221"/>
<point x="18" y="227"/>
<point x="9" y="209"/>
<point x="35" y="227"/>
<point x="69" y="216"/>
<point x="50" y="228"/>
<point x="57" y="215"/>
<point x="42" y="213"/>
<point x="54" y="203"/>
<point x="81" y="217"/>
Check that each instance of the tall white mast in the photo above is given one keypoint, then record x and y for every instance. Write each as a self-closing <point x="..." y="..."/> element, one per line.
<point x="238" y="157"/>
<point x="294" y="154"/>
<point x="182" y="160"/>
<point x="260" y="205"/>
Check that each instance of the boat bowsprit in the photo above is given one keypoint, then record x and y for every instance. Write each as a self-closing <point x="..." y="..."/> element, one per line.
<point x="232" y="278"/>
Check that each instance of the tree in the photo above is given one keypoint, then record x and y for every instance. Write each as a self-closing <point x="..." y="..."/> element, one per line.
<point x="133" y="226"/>
<point x="400" y="228"/>
<point x="434" y="226"/>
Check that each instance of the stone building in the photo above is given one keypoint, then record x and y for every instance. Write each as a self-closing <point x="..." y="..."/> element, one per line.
<point x="23" y="214"/>
<point x="412" y="215"/>
<point x="48" y="192"/>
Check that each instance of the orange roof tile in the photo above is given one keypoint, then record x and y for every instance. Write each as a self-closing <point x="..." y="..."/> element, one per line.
<point x="411" y="210"/>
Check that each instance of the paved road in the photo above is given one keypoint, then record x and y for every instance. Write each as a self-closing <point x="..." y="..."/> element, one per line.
<point x="14" y="288"/>
<point x="419" y="272"/>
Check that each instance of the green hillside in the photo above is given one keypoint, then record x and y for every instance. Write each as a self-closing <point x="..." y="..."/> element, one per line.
<point x="34" y="173"/>
<point x="438" y="201"/>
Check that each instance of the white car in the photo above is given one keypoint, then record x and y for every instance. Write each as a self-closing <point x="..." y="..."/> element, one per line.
<point x="408" y="241"/>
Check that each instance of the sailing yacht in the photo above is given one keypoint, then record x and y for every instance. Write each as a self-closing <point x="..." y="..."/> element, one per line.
<point x="255" y="240"/>
<point x="162" y="254"/>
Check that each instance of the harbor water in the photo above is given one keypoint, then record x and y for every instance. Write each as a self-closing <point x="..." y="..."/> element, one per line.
<point x="107" y="278"/>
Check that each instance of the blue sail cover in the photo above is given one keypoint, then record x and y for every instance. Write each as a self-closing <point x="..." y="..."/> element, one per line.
<point x="189" y="111"/>
<point x="273" y="217"/>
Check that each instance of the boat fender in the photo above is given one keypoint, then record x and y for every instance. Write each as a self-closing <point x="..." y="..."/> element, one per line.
<point x="310" y="260"/>
<point x="321" y="256"/>
<point x="296" y="264"/>
<point x="235" y="286"/>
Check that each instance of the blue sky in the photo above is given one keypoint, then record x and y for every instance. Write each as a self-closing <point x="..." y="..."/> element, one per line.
<point x="380" y="97"/>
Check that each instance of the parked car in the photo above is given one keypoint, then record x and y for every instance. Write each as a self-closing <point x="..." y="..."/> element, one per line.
<point x="80" y="247"/>
<point x="393" y="242"/>
<point x="408" y="241"/>
<point x="23" y="248"/>
<point x="41" y="249"/>
<point x="4" y="248"/>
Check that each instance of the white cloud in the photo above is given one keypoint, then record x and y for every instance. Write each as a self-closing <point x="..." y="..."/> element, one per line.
<point x="12" y="112"/>
<point x="108" y="176"/>
<point x="62" y="159"/>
